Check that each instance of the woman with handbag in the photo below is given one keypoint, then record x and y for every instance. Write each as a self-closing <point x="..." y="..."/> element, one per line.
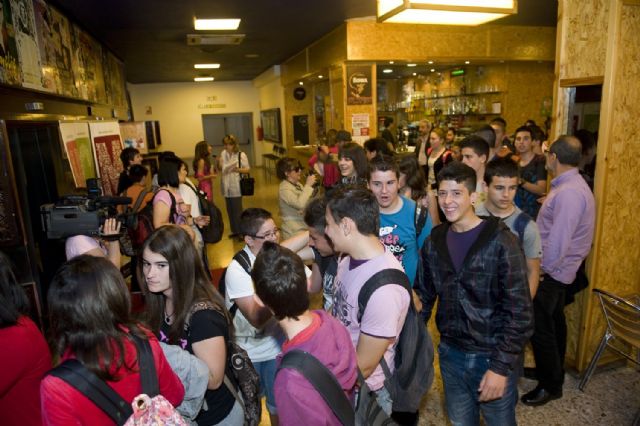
<point x="232" y="164"/>
<point x="90" y="321"/>
<point x="293" y="197"/>
<point x="184" y="308"/>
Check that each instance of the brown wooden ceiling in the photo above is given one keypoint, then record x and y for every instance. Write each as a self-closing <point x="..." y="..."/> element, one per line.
<point x="150" y="35"/>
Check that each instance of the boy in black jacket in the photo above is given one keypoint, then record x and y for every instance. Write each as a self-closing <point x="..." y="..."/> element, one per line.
<point x="476" y="269"/>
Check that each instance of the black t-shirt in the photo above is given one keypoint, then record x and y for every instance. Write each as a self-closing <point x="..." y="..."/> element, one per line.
<point x="124" y="182"/>
<point x="206" y="324"/>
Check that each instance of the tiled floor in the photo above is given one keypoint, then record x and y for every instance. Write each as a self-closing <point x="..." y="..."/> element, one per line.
<point x="611" y="398"/>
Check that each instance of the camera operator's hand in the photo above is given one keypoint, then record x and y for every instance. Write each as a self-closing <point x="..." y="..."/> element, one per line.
<point x="201" y="221"/>
<point x="311" y="179"/>
<point x="111" y="227"/>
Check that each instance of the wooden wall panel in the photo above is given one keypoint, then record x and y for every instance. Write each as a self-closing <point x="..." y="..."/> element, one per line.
<point x="527" y="84"/>
<point x="585" y="25"/>
<point x="617" y="250"/>
<point x="337" y="97"/>
<point x="330" y="49"/>
<point x="293" y="107"/>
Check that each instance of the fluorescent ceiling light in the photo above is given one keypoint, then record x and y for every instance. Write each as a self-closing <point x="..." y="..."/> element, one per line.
<point x="216" y="24"/>
<point x="203" y="79"/>
<point x="206" y="66"/>
<point x="387" y="70"/>
<point x="444" y="12"/>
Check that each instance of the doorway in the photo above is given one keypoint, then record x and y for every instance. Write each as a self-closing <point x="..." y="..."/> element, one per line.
<point x="217" y="126"/>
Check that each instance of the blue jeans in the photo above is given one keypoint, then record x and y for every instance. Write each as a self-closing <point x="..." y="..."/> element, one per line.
<point x="267" y="372"/>
<point x="462" y="373"/>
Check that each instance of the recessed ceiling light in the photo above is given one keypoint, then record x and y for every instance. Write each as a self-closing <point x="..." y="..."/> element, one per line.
<point x="387" y="70"/>
<point x="415" y="73"/>
<point x="251" y="55"/>
<point x="206" y="66"/>
<point x="391" y="62"/>
<point x="467" y="62"/>
<point x="321" y="76"/>
<point x="301" y="83"/>
<point x="430" y="62"/>
<point x="216" y="24"/>
<point x="198" y="79"/>
<point x="433" y="70"/>
<point x="411" y="65"/>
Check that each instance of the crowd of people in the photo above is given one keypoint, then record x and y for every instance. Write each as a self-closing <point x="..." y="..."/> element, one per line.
<point x="464" y="227"/>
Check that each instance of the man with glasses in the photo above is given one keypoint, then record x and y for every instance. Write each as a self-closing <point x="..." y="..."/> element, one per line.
<point x="256" y="329"/>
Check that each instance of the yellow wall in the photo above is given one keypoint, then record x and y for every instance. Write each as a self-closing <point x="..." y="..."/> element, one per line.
<point x="179" y="108"/>
<point x="600" y="40"/>
<point x="271" y="95"/>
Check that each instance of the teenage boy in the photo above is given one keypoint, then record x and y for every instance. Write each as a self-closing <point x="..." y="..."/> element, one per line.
<point x="397" y="215"/>
<point x="501" y="177"/>
<point x="533" y="174"/>
<point x="353" y="226"/>
<point x="281" y="285"/>
<point x="256" y="330"/>
<point x="128" y="157"/>
<point x="476" y="270"/>
<point x="475" y="154"/>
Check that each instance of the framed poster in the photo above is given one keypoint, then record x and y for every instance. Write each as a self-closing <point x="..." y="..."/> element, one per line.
<point x="77" y="146"/>
<point x="359" y="85"/>
<point x="9" y="65"/>
<point x="107" y="146"/>
<point x="24" y="27"/>
<point x="134" y="135"/>
<point x="270" y="122"/>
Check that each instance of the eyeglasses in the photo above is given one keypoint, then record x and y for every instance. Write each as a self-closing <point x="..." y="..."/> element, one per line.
<point x="268" y="235"/>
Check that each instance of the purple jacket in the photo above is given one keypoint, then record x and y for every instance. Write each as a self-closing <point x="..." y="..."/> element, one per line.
<point x="297" y="400"/>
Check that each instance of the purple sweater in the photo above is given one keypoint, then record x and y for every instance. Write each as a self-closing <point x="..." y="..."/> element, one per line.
<point x="297" y="400"/>
<point x="566" y="222"/>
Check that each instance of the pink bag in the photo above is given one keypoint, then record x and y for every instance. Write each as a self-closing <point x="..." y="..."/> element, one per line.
<point x="156" y="411"/>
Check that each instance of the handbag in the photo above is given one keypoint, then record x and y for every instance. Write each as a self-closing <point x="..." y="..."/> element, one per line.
<point x="247" y="183"/>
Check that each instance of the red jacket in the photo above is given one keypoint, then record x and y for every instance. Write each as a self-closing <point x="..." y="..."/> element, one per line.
<point x="24" y="360"/>
<point x="64" y="405"/>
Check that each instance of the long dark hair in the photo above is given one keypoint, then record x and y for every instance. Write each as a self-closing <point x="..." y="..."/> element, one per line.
<point x="414" y="176"/>
<point x="355" y="153"/>
<point x="202" y="153"/>
<point x="89" y="314"/>
<point x="189" y="281"/>
<point x="13" y="301"/>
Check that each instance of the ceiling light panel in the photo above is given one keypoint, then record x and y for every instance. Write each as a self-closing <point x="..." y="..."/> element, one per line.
<point x="206" y="66"/>
<point x="216" y="24"/>
<point x="200" y="79"/>
<point x="444" y="12"/>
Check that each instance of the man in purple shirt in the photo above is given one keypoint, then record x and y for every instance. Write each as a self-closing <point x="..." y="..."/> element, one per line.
<point x="566" y="222"/>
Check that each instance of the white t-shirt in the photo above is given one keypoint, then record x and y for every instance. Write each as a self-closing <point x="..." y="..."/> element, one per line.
<point x="261" y="345"/>
<point x="385" y="313"/>
<point x="190" y="197"/>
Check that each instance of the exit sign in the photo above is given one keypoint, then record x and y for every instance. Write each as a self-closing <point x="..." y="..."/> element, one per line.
<point x="457" y="73"/>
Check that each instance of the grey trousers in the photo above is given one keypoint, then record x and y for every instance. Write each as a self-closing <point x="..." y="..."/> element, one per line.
<point x="234" y="210"/>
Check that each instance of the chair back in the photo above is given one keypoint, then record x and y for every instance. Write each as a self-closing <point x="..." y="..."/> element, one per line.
<point x="622" y="316"/>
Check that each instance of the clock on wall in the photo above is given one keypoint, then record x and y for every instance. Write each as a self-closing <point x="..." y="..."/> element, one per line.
<point x="299" y="93"/>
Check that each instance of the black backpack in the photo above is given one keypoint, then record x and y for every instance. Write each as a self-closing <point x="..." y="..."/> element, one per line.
<point x="211" y="233"/>
<point x="413" y="374"/>
<point x="243" y="259"/>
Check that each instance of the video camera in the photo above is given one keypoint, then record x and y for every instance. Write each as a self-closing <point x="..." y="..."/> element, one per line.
<point x="79" y="214"/>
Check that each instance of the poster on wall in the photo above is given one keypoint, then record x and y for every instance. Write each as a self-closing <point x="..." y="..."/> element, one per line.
<point x="107" y="146"/>
<point x="54" y="41"/>
<point x="24" y="27"/>
<point x="87" y="61"/>
<point x="9" y="66"/>
<point x="134" y="135"/>
<point x="113" y="79"/>
<point x="359" y="85"/>
<point x="77" y="146"/>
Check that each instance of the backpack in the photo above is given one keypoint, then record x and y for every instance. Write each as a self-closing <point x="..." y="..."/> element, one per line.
<point x="146" y="408"/>
<point x="520" y="224"/>
<point x="323" y="381"/>
<point x="243" y="259"/>
<point x="240" y="373"/>
<point x="413" y="374"/>
<point x="144" y="221"/>
<point x="211" y="233"/>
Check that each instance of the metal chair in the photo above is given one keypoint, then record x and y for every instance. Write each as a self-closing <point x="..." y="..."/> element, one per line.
<point x="623" y="325"/>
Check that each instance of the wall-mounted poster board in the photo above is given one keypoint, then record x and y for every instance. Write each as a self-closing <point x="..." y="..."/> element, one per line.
<point x="270" y="122"/>
<point x="134" y="135"/>
<point x="107" y="146"/>
<point x="77" y="146"/>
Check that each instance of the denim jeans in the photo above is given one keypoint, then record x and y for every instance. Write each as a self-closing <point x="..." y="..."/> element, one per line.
<point x="462" y="373"/>
<point x="267" y="372"/>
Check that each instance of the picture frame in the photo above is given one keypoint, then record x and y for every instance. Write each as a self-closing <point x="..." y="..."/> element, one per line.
<point x="271" y="125"/>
